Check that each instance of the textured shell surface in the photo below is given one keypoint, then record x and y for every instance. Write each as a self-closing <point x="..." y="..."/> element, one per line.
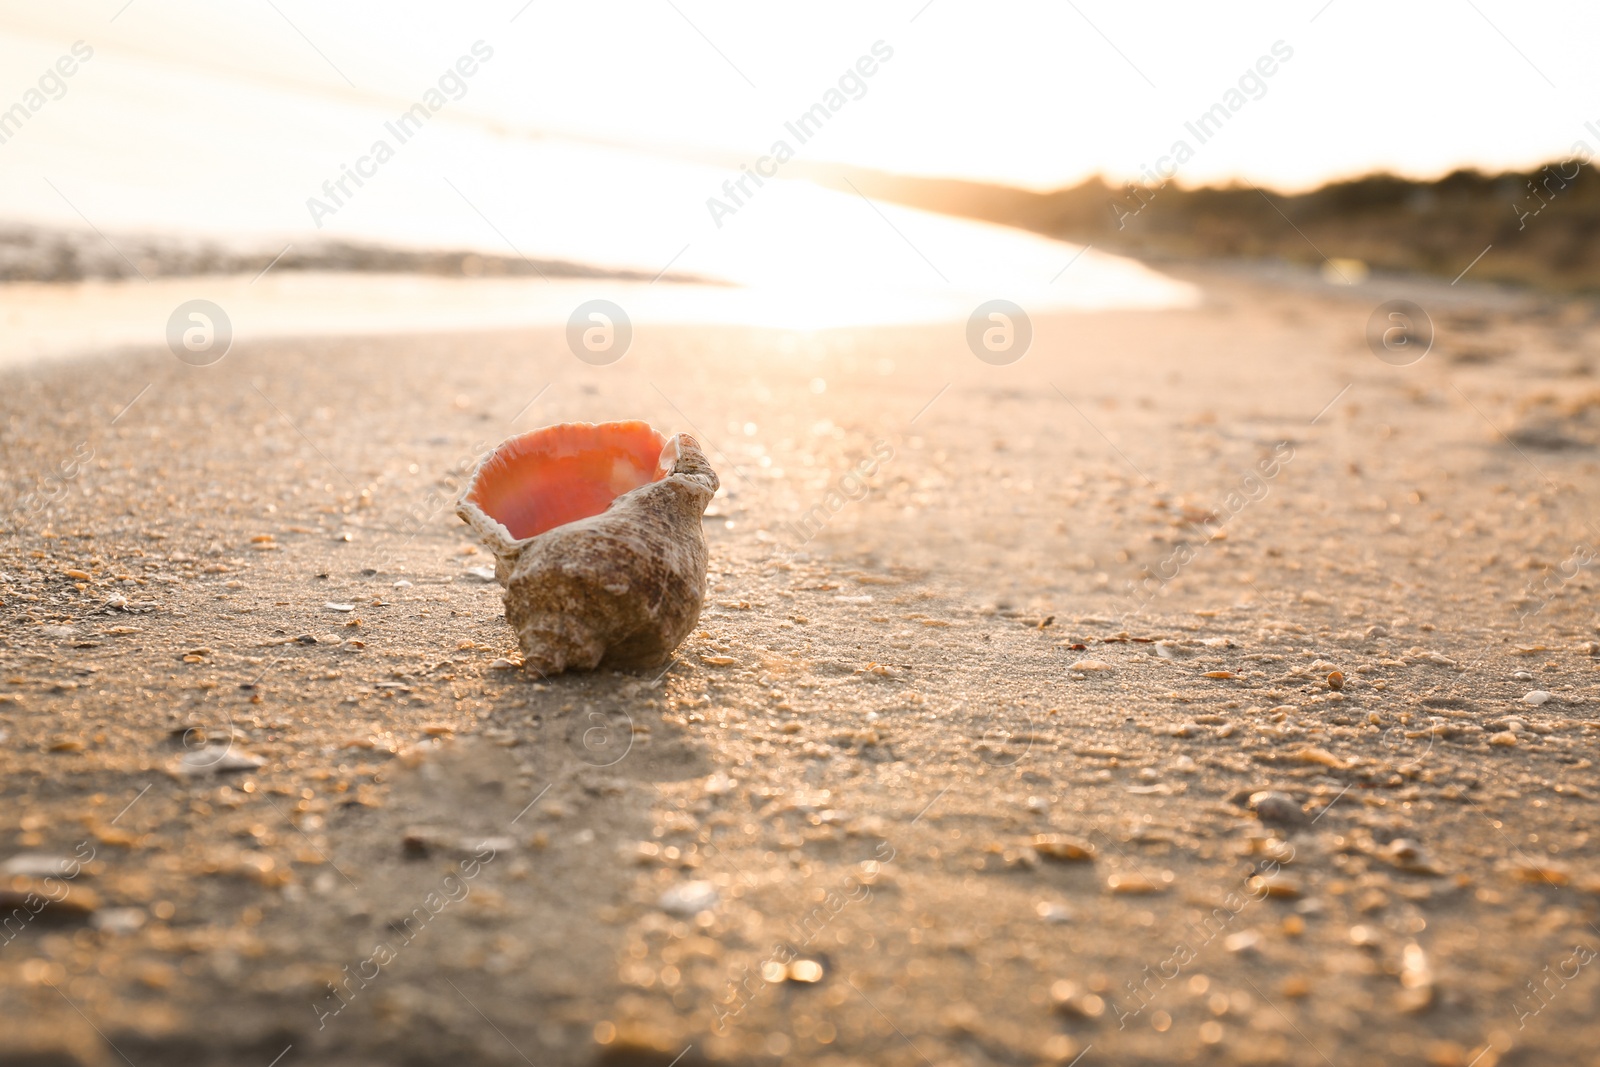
<point x="597" y="536"/>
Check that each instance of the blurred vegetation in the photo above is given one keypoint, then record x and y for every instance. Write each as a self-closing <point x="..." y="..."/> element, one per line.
<point x="1543" y="224"/>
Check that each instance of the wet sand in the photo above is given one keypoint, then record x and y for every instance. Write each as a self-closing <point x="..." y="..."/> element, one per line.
<point x="929" y="785"/>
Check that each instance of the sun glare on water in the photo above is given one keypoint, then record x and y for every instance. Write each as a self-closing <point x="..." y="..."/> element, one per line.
<point x="182" y="165"/>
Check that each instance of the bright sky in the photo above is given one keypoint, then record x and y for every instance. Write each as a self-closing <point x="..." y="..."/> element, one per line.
<point x="602" y="132"/>
<point x="1035" y="92"/>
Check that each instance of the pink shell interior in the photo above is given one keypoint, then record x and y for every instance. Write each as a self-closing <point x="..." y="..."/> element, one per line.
<point x="549" y="477"/>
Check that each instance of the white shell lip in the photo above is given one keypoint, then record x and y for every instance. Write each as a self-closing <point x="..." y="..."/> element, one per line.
<point x="497" y="536"/>
<point x="493" y="533"/>
<point x="669" y="457"/>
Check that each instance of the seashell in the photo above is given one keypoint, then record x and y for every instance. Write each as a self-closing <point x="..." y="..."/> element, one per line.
<point x="597" y="538"/>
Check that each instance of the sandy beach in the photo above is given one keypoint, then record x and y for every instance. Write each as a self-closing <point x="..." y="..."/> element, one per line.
<point x="1197" y="688"/>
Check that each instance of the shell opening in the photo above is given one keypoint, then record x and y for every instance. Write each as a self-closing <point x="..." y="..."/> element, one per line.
<point x="559" y="474"/>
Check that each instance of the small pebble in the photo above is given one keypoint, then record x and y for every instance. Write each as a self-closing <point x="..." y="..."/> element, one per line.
<point x="1410" y="857"/>
<point x="1243" y="941"/>
<point x="78" y="905"/>
<point x="1087" y="665"/>
<point x="1062" y="848"/>
<point x="1055" y="914"/>
<point x="36" y="865"/>
<point x="1279" y="886"/>
<point x="1133" y="884"/>
<point x="1521" y="676"/>
<point x="217" y="759"/>
<point x="122" y="921"/>
<point x="1539" y="874"/>
<point x="1060" y="1048"/>
<point x="1321" y="756"/>
<point x="1273" y="806"/>
<point x="420" y="841"/>
<point x="1069" y="999"/>
<point x="1537" y="697"/>
<point x="805" y="972"/>
<point x="687" y="899"/>
<point x="1416" y="978"/>
<point x="1363" y="936"/>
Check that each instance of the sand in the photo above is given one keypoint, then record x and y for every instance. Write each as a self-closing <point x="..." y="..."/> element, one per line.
<point x="257" y="699"/>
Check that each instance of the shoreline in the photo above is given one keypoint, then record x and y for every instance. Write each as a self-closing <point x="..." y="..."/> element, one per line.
<point x="46" y="321"/>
